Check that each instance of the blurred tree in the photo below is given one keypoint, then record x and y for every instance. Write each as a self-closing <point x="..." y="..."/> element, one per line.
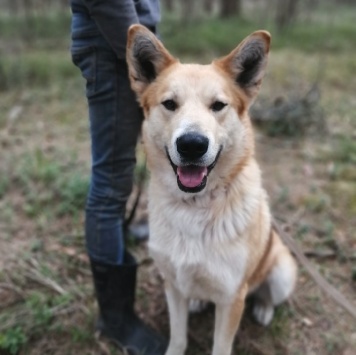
<point x="230" y="8"/>
<point x="208" y="6"/>
<point x="286" y="13"/>
<point x="169" y="4"/>
<point x="31" y="7"/>
<point x="188" y="10"/>
<point x="13" y="7"/>
<point x="28" y="5"/>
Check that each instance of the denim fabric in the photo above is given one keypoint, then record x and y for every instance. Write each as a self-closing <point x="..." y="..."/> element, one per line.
<point x="115" y="121"/>
<point x="114" y="17"/>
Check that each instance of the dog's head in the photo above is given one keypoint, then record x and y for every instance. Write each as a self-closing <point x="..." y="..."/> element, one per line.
<point x="196" y="120"/>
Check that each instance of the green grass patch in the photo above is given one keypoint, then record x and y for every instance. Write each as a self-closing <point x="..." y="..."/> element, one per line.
<point x="39" y="306"/>
<point x="12" y="339"/>
<point x="4" y="184"/>
<point x="205" y="36"/>
<point x="316" y="201"/>
<point x="340" y="154"/>
<point x="51" y="183"/>
<point x="35" y="68"/>
<point x="38" y="167"/>
<point x="72" y="192"/>
<point x="46" y="302"/>
<point x="215" y="36"/>
<point x="344" y="151"/>
<point x="80" y="335"/>
<point x="54" y="25"/>
<point x="343" y="194"/>
<point x="280" y="324"/>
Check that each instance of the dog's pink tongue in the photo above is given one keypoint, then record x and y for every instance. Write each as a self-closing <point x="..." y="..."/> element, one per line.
<point x="191" y="175"/>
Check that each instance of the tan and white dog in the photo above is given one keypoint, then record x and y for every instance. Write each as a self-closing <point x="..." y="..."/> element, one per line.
<point x="210" y="223"/>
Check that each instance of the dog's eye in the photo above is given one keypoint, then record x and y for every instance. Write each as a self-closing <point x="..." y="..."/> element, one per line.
<point x="217" y="106"/>
<point x="170" y="105"/>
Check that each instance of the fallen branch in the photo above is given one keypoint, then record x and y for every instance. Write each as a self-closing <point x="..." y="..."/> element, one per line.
<point x="37" y="277"/>
<point x="8" y="286"/>
<point x="320" y="254"/>
<point x="330" y="290"/>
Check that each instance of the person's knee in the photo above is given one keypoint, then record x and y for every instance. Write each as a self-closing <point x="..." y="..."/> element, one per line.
<point x="109" y="196"/>
<point x="104" y="237"/>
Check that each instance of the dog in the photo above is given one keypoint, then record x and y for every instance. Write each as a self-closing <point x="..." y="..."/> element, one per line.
<point x="210" y="224"/>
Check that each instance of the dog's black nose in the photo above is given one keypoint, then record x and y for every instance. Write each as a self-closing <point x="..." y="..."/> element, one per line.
<point x="192" y="145"/>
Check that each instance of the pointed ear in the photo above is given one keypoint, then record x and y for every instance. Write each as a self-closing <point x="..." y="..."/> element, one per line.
<point x="246" y="63"/>
<point x="146" y="57"/>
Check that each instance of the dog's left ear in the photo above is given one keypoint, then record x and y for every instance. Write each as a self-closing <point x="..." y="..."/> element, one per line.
<point x="246" y="63"/>
<point x="146" y="57"/>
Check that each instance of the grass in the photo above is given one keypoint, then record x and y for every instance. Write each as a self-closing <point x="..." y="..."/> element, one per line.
<point x="41" y="309"/>
<point x="45" y="283"/>
<point x="44" y="182"/>
<point x="47" y="37"/>
<point x="344" y="151"/>
<point x="37" y="68"/>
<point x="34" y="28"/>
<point x="215" y="37"/>
<point x="12" y="340"/>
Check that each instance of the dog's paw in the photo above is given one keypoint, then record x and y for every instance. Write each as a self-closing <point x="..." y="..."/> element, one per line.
<point x="196" y="306"/>
<point x="263" y="313"/>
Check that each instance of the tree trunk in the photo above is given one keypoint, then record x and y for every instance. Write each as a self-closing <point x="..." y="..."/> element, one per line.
<point x="229" y="8"/>
<point x="169" y="4"/>
<point x="286" y="13"/>
<point x="208" y="6"/>
<point x="13" y="7"/>
<point x="188" y="10"/>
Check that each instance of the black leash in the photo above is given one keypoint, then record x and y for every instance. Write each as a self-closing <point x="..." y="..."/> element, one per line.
<point x="140" y="181"/>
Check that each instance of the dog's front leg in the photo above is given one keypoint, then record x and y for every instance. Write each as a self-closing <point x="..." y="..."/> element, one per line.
<point x="178" y="317"/>
<point x="227" y="320"/>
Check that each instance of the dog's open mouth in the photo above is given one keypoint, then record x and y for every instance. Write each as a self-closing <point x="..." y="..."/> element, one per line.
<point x="192" y="177"/>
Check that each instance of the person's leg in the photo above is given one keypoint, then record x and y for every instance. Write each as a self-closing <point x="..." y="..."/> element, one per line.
<point x="115" y="120"/>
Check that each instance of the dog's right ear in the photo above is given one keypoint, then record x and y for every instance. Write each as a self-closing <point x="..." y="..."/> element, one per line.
<point x="146" y="57"/>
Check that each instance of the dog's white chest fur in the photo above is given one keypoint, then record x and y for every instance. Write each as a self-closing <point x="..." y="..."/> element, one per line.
<point x="200" y="252"/>
<point x="198" y="272"/>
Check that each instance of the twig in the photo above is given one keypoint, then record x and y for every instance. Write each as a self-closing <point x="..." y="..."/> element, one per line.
<point x="36" y="276"/>
<point x="8" y="286"/>
<point x="320" y="254"/>
<point x="60" y="310"/>
<point x="104" y="348"/>
<point x="337" y="296"/>
<point x="15" y="318"/>
<point x="296" y="216"/>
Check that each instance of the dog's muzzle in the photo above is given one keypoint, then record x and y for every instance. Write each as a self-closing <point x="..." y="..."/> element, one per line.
<point x="192" y="174"/>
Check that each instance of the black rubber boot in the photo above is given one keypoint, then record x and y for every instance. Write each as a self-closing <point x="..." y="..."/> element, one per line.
<point x="115" y="290"/>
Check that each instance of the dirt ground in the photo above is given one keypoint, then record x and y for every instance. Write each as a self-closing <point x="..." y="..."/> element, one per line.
<point x="49" y="246"/>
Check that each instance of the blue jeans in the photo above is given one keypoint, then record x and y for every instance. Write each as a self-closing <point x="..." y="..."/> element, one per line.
<point x="115" y="122"/>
